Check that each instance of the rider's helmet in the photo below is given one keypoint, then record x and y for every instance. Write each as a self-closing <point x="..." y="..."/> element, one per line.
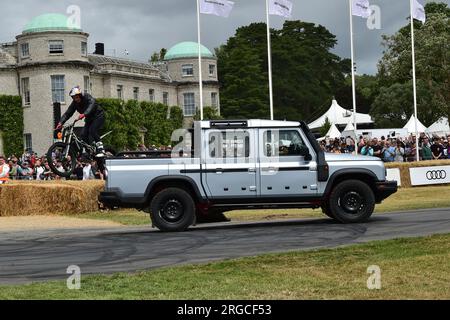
<point x="75" y="91"/>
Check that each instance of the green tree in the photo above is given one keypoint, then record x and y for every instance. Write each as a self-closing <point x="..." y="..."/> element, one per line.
<point x="209" y="113"/>
<point x="11" y="124"/>
<point x="432" y="50"/>
<point x="325" y="128"/>
<point x="305" y="72"/>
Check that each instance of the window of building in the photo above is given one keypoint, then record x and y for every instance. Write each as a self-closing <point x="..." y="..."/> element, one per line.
<point x="284" y="143"/>
<point x="212" y="69"/>
<point x="166" y="98"/>
<point x="136" y="93"/>
<point x="56" y="46"/>
<point x="214" y="99"/>
<point x="151" y="94"/>
<point x="26" y="91"/>
<point x="187" y="70"/>
<point x="28" y="141"/>
<point x="120" y="92"/>
<point x="25" y="50"/>
<point x="189" y="104"/>
<point x="87" y="84"/>
<point x="58" y="88"/>
<point x="84" y="49"/>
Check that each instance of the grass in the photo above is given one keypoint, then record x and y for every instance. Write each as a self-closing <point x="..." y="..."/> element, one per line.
<point x="415" y="268"/>
<point x="404" y="199"/>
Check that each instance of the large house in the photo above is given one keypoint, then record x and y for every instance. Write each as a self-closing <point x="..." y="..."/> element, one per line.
<point x="49" y="58"/>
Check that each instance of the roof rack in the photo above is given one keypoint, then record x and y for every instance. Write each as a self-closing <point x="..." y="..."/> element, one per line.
<point x="229" y="123"/>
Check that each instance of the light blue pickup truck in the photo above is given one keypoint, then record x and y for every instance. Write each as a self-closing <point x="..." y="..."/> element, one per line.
<point x="244" y="164"/>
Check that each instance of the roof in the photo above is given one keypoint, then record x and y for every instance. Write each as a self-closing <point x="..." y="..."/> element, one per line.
<point x="339" y="116"/>
<point x="187" y="49"/>
<point x="50" y="22"/>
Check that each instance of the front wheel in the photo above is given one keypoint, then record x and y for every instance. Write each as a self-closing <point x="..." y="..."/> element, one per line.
<point x="172" y="209"/>
<point x="352" y="201"/>
<point x="59" y="163"/>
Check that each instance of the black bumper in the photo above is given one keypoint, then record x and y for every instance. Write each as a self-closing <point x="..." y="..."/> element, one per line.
<point x="385" y="189"/>
<point x="114" y="198"/>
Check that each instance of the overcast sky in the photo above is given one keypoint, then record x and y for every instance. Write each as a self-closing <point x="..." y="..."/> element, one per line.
<point x="144" y="26"/>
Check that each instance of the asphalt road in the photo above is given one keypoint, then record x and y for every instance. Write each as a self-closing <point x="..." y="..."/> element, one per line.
<point x="45" y="255"/>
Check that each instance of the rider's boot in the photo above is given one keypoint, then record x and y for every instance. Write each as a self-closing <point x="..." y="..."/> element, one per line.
<point x="100" y="150"/>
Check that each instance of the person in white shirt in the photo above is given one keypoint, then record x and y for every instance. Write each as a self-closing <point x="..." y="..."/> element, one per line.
<point x="4" y="171"/>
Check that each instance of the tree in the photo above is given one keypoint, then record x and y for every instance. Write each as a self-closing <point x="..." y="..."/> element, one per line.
<point x="158" y="56"/>
<point x="432" y="49"/>
<point x="305" y="72"/>
<point x="325" y="128"/>
<point x="209" y="113"/>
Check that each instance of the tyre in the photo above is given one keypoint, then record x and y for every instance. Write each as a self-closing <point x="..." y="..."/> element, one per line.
<point x="327" y="211"/>
<point x="352" y="201"/>
<point x="68" y="164"/>
<point x="172" y="209"/>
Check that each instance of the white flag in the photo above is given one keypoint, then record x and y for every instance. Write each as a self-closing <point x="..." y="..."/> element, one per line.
<point x="418" y="11"/>
<point x="221" y="8"/>
<point x="280" y="8"/>
<point x="361" y="8"/>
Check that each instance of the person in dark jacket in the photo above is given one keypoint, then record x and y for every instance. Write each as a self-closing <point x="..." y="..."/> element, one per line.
<point x="92" y="114"/>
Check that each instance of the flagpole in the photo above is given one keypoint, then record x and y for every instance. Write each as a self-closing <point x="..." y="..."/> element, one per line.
<point x="200" y="80"/>
<point x="414" y="80"/>
<point x="269" y="59"/>
<point x="353" y="76"/>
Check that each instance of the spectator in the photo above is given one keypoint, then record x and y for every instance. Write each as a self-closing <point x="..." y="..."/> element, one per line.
<point x="25" y="172"/>
<point x="399" y="152"/>
<point x="367" y="150"/>
<point x="4" y="171"/>
<point x="377" y="148"/>
<point x="38" y="170"/>
<point x="426" y="149"/>
<point x="79" y="170"/>
<point x="437" y="150"/>
<point x="87" y="171"/>
<point x="48" y="174"/>
<point x="389" y="152"/>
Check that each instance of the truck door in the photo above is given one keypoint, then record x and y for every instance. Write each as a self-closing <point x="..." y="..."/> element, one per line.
<point x="230" y="163"/>
<point x="288" y="165"/>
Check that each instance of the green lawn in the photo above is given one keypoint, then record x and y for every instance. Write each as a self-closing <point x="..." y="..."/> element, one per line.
<point x="416" y="268"/>
<point x="404" y="199"/>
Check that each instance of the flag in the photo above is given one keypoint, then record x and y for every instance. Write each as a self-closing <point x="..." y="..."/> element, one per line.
<point x="221" y="8"/>
<point x="418" y="11"/>
<point x="360" y="8"/>
<point x="280" y="8"/>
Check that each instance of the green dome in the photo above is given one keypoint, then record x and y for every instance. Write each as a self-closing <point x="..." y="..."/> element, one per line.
<point x="49" y="22"/>
<point x="187" y="50"/>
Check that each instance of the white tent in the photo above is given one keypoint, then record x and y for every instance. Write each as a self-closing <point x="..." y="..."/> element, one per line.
<point x="440" y="127"/>
<point x="411" y="126"/>
<point x="333" y="133"/>
<point x="339" y="116"/>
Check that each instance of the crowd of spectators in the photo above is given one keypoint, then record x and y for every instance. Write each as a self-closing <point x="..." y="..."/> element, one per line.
<point x="392" y="149"/>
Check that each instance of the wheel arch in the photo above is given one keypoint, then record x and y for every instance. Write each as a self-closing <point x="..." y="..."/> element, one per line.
<point x="364" y="175"/>
<point x="163" y="182"/>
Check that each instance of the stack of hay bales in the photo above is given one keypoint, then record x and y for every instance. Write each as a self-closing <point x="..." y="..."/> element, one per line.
<point x="23" y="198"/>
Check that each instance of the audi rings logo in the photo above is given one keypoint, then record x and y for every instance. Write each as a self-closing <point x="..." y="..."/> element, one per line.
<point x="436" y="175"/>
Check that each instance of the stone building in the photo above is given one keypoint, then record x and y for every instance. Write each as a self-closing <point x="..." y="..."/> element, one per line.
<point x="49" y="58"/>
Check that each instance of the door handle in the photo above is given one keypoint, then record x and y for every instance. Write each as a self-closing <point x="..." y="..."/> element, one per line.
<point x="252" y="169"/>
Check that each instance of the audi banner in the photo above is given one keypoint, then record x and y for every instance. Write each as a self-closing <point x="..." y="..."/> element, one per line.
<point x="429" y="175"/>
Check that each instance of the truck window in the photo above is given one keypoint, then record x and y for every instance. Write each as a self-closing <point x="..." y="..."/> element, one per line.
<point x="279" y="143"/>
<point x="229" y="144"/>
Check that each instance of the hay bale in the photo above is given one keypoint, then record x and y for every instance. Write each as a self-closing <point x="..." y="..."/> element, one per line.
<point x="22" y="198"/>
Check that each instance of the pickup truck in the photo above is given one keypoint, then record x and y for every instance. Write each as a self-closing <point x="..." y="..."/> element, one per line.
<point x="224" y="165"/>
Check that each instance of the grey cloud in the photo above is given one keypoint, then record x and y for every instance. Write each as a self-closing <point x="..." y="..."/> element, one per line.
<point x="145" y="26"/>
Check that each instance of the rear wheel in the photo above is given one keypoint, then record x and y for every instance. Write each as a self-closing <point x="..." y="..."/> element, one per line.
<point x="352" y="201"/>
<point x="172" y="209"/>
<point x="58" y="162"/>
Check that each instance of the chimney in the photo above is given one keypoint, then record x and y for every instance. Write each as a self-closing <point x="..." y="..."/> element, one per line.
<point x="100" y="49"/>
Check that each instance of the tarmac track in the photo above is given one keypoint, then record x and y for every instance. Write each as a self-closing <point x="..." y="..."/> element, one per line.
<point x="46" y="254"/>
